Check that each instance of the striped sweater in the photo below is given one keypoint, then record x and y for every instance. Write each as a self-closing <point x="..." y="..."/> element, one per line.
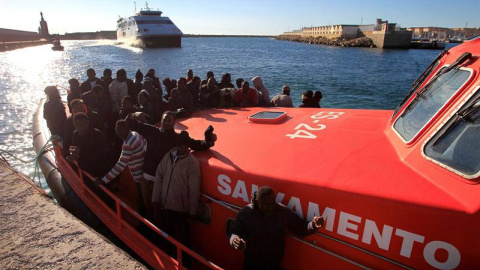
<point x="133" y="153"/>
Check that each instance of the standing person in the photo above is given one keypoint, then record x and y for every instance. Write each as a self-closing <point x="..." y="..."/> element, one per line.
<point x="264" y="101"/>
<point x="283" y="99"/>
<point x="97" y="100"/>
<point x="189" y="75"/>
<point x="133" y="154"/>
<point x="156" y="81"/>
<point x="159" y="142"/>
<point x="54" y="111"/>
<point x="137" y="85"/>
<point x="154" y="99"/>
<point x="77" y="107"/>
<point x="75" y="92"/>
<point x="89" y="147"/>
<point x="128" y="107"/>
<point x="91" y="81"/>
<point x="107" y="78"/>
<point x="177" y="190"/>
<point x="118" y="90"/>
<point x="145" y="106"/>
<point x="260" y="230"/>
<point x="245" y="96"/>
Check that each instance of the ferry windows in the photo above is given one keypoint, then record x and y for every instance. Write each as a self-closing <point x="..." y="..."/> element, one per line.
<point x="154" y="22"/>
<point x="428" y="102"/>
<point x="457" y="144"/>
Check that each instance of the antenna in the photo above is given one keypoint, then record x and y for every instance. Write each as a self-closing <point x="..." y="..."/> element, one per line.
<point x="135" y="4"/>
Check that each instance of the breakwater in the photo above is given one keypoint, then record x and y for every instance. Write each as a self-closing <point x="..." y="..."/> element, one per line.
<point x="8" y="46"/>
<point x="339" y="42"/>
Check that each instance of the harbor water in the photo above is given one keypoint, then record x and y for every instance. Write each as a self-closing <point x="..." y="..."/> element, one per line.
<point x="364" y="78"/>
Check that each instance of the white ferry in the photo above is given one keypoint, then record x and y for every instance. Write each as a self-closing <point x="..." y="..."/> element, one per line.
<point x="148" y="29"/>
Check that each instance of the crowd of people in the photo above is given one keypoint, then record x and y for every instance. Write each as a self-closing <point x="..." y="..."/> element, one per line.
<point x="112" y="126"/>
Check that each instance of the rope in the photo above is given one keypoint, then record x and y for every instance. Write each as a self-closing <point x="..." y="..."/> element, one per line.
<point x="47" y="147"/>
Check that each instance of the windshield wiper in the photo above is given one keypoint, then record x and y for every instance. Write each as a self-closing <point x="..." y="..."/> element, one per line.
<point x="460" y="60"/>
<point x="419" y="80"/>
<point x="462" y="115"/>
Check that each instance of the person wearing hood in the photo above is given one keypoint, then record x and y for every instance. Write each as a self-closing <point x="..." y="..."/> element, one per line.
<point x="264" y="99"/>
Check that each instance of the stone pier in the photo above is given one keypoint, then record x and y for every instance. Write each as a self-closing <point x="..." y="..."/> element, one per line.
<point x="35" y="233"/>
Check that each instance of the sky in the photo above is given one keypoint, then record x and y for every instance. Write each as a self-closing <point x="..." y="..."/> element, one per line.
<point x="247" y="17"/>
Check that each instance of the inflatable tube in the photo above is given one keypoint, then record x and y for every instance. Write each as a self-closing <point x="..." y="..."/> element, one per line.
<point x="61" y="190"/>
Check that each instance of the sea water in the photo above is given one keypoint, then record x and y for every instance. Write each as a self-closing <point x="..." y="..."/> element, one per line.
<point x="364" y="78"/>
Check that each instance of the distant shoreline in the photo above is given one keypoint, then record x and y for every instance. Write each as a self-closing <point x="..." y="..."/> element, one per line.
<point x="113" y="35"/>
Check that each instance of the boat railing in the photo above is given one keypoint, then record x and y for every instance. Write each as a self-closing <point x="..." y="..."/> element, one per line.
<point x="121" y="224"/>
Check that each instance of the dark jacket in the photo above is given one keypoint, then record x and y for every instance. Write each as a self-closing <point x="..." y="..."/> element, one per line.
<point x="209" y="97"/>
<point x="265" y="234"/>
<point x="94" y="120"/>
<point x="93" y="152"/>
<point x="181" y="99"/>
<point x="100" y="106"/>
<point x="54" y="113"/>
<point x="159" y="142"/>
<point x="85" y="86"/>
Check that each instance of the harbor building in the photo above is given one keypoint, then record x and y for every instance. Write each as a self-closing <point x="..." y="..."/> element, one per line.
<point x="383" y="33"/>
<point x="429" y="32"/>
<point x="332" y="31"/>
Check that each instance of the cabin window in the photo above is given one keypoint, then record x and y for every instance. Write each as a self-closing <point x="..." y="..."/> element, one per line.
<point x="428" y="102"/>
<point x="417" y="84"/>
<point x="457" y="144"/>
<point x="154" y="22"/>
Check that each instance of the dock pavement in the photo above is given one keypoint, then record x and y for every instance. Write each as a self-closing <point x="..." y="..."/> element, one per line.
<point x="35" y="233"/>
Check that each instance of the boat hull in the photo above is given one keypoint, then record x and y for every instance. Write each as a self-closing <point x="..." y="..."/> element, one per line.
<point x="153" y="41"/>
<point x="427" y="45"/>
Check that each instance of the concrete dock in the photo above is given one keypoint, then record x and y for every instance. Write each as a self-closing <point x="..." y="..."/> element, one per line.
<point x="35" y="233"/>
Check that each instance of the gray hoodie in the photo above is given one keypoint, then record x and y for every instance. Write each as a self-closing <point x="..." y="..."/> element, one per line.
<point x="258" y="83"/>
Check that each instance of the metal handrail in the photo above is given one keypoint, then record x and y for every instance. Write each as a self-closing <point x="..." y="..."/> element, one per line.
<point x="122" y="223"/>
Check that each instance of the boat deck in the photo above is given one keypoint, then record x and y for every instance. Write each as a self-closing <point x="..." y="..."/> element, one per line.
<point x="36" y="233"/>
